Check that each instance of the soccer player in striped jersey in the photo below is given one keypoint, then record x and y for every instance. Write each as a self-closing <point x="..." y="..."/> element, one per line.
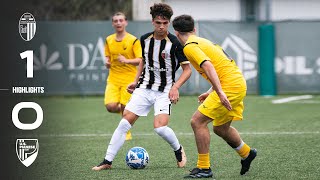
<point x="221" y="104"/>
<point x="154" y="85"/>
<point x="123" y="55"/>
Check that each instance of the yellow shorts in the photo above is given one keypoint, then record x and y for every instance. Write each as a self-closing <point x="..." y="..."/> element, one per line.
<point x="213" y="108"/>
<point x="116" y="94"/>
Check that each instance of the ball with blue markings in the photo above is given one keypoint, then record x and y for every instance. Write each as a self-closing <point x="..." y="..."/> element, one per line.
<point x="137" y="158"/>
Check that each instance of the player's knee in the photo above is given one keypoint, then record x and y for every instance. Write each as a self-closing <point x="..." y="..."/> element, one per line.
<point x="198" y="123"/>
<point x="194" y="124"/>
<point x="113" y="108"/>
<point x="109" y="108"/>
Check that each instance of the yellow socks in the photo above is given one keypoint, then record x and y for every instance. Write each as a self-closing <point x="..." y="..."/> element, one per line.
<point x="128" y="136"/>
<point x="203" y="161"/>
<point x="243" y="150"/>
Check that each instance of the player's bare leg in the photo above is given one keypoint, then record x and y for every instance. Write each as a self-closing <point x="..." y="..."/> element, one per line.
<point x="228" y="133"/>
<point x="199" y="124"/>
<point x="201" y="131"/>
<point x="232" y="137"/>
<point x="113" y="107"/>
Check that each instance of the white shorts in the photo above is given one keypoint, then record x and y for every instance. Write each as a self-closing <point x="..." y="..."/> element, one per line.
<point x="142" y="100"/>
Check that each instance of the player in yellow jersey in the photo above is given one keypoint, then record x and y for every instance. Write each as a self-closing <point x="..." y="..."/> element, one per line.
<point x="123" y="53"/>
<point x="221" y="104"/>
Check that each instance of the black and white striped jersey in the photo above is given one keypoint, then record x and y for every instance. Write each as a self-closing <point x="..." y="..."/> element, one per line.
<point x="161" y="58"/>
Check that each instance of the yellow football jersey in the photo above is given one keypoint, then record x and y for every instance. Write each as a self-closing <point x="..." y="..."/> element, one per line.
<point x="198" y="50"/>
<point x="130" y="48"/>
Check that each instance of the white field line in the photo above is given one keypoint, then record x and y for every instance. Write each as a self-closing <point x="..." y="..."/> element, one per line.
<point x="306" y="102"/>
<point x="180" y="134"/>
<point x="293" y="98"/>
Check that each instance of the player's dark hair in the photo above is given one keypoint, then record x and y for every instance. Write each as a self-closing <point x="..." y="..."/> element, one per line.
<point x="119" y="14"/>
<point x="162" y="10"/>
<point x="183" y="23"/>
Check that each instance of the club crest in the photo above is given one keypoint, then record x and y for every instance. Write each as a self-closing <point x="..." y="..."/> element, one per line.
<point x="27" y="26"/>
<point x="27" y="150"/>
<point x="165" y="54"/>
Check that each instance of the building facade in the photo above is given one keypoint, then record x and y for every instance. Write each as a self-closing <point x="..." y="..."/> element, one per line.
<point x="235" y="10"/>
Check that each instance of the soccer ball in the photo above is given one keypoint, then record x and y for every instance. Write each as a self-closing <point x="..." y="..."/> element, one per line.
<point x="137" y="158"/>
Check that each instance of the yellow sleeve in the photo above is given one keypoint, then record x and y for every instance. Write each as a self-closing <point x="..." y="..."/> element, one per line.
<point x="137" y="50"/>
<point x="106" y="49"/>
<point x="194" y="53"/>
